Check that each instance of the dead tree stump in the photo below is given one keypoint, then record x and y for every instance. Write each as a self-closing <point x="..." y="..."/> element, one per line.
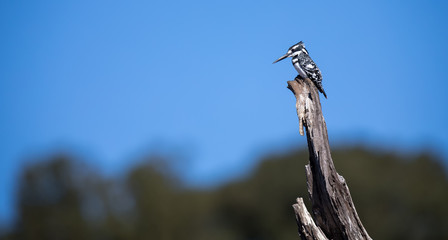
<point x="333" y="211"/>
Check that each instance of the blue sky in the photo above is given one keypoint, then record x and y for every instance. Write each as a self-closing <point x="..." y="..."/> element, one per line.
<point x="194" y="79"/>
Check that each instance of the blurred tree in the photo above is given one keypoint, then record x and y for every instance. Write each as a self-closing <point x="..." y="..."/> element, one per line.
<point x="164" y="210"/>
<point x="49" y="203"/>
<point x="397" y="197"/>
<point x="260" y="206"/>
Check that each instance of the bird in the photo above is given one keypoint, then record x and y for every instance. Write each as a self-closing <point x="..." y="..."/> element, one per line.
<point x="304" y="65"/>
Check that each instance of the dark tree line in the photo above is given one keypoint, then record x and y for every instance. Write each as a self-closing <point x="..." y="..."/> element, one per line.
<point x="397" y="197"/>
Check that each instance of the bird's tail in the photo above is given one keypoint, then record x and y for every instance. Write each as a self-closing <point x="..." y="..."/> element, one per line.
<point x="321" y="89"/>
<point x="323" y="92"/>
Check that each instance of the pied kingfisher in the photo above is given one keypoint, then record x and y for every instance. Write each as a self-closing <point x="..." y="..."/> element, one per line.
<point x="304" y="65"/>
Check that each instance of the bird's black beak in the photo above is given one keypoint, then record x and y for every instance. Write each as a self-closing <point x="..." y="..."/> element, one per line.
<point x="281" y="58"/>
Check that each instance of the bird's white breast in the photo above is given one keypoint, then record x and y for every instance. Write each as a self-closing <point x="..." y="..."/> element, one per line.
<point x="299" y="69"/>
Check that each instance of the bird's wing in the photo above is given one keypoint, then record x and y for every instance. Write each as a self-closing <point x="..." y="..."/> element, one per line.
<point x="308" y="65"/>
<point x="311" y="69"/>
<point x="313" y="72"/>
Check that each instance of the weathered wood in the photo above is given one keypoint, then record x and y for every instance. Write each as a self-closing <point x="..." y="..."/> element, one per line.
<point x="332" y="206"/>
<point x="307" y="228"/>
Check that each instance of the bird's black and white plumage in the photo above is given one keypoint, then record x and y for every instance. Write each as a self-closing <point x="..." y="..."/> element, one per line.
<point x="304" y="65"/>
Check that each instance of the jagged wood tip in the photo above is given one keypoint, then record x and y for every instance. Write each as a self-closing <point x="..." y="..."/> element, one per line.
<point x="308" y="230"/>
<point x="302" y="92"/>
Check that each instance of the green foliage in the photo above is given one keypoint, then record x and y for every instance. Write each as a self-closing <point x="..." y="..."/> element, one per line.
<point x="397" y="197"/>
